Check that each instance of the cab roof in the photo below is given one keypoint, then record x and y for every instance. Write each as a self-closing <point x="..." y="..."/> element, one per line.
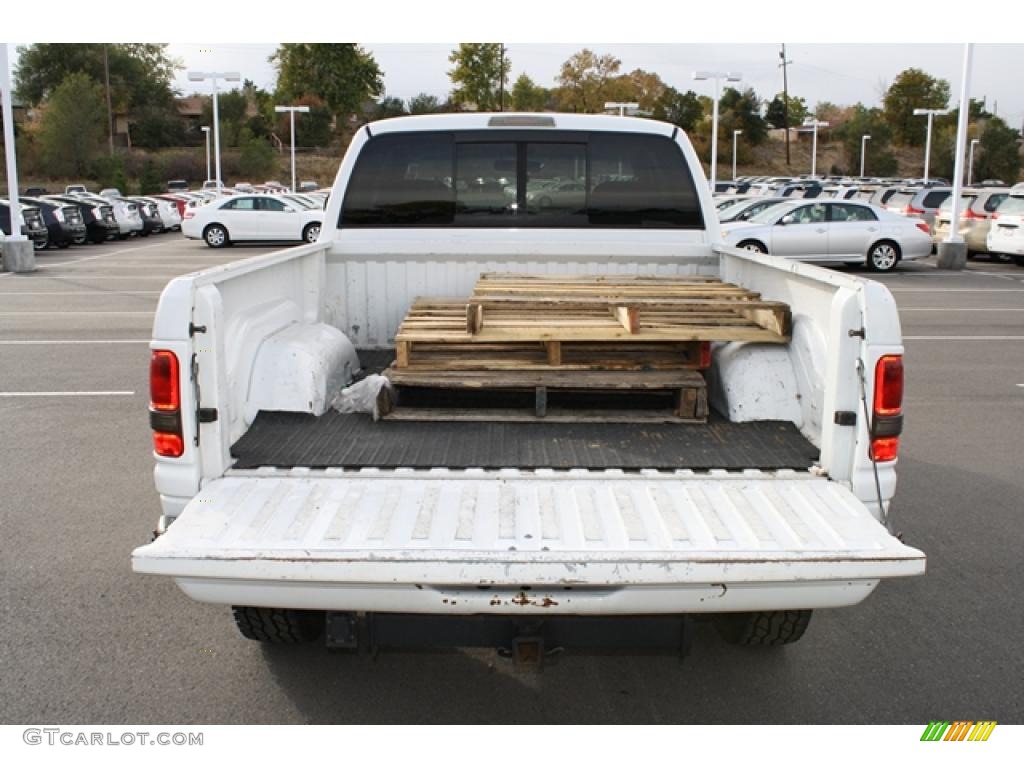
<point x="538" y="121"/>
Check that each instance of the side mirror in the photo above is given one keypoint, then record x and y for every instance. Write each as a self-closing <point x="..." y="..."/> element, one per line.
<point x="787" y="219"/>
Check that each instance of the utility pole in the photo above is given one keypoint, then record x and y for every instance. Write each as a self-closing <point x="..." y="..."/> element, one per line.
<point x="785" y="96"/>
<point x="110" y="111"/>
<point x="501" y="79"/>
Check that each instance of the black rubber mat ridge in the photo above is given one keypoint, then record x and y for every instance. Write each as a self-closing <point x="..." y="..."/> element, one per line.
<point x="353" y="441"/>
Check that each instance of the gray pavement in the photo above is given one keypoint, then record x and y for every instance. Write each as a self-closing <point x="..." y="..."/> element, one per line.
<point x="87" y="641"/>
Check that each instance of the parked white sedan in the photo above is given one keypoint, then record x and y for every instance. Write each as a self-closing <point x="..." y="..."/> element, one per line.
<point x="854" y="233"/>
<point x="251" y="217"/>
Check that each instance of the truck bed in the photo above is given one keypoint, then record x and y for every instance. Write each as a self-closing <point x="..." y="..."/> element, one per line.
<point x="355" y="441"/>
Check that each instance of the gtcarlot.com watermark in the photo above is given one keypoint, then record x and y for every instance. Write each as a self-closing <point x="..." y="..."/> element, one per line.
<point x="71" y="738"/>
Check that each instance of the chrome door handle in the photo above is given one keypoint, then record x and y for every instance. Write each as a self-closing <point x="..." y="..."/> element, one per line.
<point x="821" y="231"/>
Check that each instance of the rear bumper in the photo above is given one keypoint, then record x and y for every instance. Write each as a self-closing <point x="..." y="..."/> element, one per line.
<point x="721" y="597"/>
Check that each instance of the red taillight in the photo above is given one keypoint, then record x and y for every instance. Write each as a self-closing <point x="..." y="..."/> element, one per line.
<point x="977" y="216"/>
<point x="923" y="226"/>
<point x="887" y="420"/>
<point x="168" y="444"/>
<point x="164" y="388"/>
<point x="885" y="448"/>
<point x="188" y="214"/>
<point x="995" y="215"/>
<point x="165" y="404"/>
<point x="912" y="211"/>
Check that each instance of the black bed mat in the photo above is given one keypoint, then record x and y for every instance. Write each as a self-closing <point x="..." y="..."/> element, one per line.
<point x="354" y="440"/>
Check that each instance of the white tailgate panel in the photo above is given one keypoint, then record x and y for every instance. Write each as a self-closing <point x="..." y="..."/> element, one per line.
<point x="258" y="536"/>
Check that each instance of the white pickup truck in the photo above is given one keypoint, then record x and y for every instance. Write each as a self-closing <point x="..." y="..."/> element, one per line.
<point x="303" y="518"/>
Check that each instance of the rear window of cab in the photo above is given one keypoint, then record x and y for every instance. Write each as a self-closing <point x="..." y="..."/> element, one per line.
<point x="521" y="179"/>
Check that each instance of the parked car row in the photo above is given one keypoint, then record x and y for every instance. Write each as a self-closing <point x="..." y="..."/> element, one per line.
<point x="79" y="216"/>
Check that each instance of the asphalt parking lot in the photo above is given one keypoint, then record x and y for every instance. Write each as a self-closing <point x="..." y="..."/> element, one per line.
<point x="87" y="641"/>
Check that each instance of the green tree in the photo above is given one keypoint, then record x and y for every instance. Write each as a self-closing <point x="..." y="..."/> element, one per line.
<point x="998" y="154"/>
<point x="258" y="158"/>
<point x="871" y="122"/>
<point x="424" y="104"/>
<point x="390" y="106"/>
<point x="232" y="107"/>
<point x="141" y="74"/>
<point x="527" y="96"/>
<point x="155" y="127"/>
<point x="912" y="89"/>
<point x="682" y="109"/>
<point x="109" y="172"/>
<point x="150" y="181"/>
<point x="641" y="87"/>
<point x="73" y="125"/>
<point x="741" y="110"/>
<point x="342" y="75"/>
<point x="477" y="74"/>
<point x="776" y="111"/>
<point x="584" y="81"/>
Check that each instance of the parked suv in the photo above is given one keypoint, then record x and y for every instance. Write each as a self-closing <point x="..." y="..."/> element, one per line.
<point x="919" y="202"/>
<point x="177" y="185"/>
<point x="976" y="209"/>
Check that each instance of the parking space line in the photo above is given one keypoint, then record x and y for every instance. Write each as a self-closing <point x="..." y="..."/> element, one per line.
<point x="43" y="342"/>
<point x="102" y="393"/>
<point x="961" y="309"/>
<point x="957" y="290"/>
<point x="963" y="338"/>
<point x="79" y="293"/>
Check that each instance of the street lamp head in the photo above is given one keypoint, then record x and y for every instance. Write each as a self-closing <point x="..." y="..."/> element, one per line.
<point x="737" y="132"/>
<point x="922" y="111"/>
<point x="196" y="77"/>
<point x="232" y="77"/>
<point x="702" y="75"/>
<point x="866" y="137"/>
<point x="733" y="77"/>
<point x="204" y="128"/>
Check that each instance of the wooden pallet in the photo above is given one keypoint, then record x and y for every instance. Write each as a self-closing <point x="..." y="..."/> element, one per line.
<point x="614" y="310"/>
<point x="689" y="401"/>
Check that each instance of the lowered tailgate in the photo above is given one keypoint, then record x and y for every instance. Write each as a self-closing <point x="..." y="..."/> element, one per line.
<point x="441" y="541"/>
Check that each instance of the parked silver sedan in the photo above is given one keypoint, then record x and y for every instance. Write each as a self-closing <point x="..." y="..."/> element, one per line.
<point x="854" y="233"/>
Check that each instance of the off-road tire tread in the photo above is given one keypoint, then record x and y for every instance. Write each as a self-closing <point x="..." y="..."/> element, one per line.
<point x="278" y="626"/>
<point x="764" y="627"/>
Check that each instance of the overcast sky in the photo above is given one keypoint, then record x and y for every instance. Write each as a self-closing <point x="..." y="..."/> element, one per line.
<point x="842" y="73"/>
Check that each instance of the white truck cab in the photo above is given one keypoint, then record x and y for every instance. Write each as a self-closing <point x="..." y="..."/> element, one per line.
<point x="303" y="518"/>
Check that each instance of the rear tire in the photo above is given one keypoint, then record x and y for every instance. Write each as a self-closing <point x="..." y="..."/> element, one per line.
<point x="763" y="627"/>
<point x="216" y="236"/>
<point x="278" y="626"/>
<point x="753" y="245"/>
<point x="311" y="233"/>
<point x="1019" y="261"/>
<point x="883" y="256"/>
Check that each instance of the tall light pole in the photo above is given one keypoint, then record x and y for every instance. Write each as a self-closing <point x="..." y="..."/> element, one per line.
<point x="735" y="135"/>
<point x="622" y="106"/>
<point x="292" y="111"/>
<point x="718" y="77"/>
<point x="811" y="122"/>
<point x="231" y="77"/>
<point x="863" y="142"/>
<point x="952" y="251"/>
<point x="19" y="253"/>
<point x="970" y="161"/>
<point x="928" y="141"/>
<point x="206" y="130"/>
